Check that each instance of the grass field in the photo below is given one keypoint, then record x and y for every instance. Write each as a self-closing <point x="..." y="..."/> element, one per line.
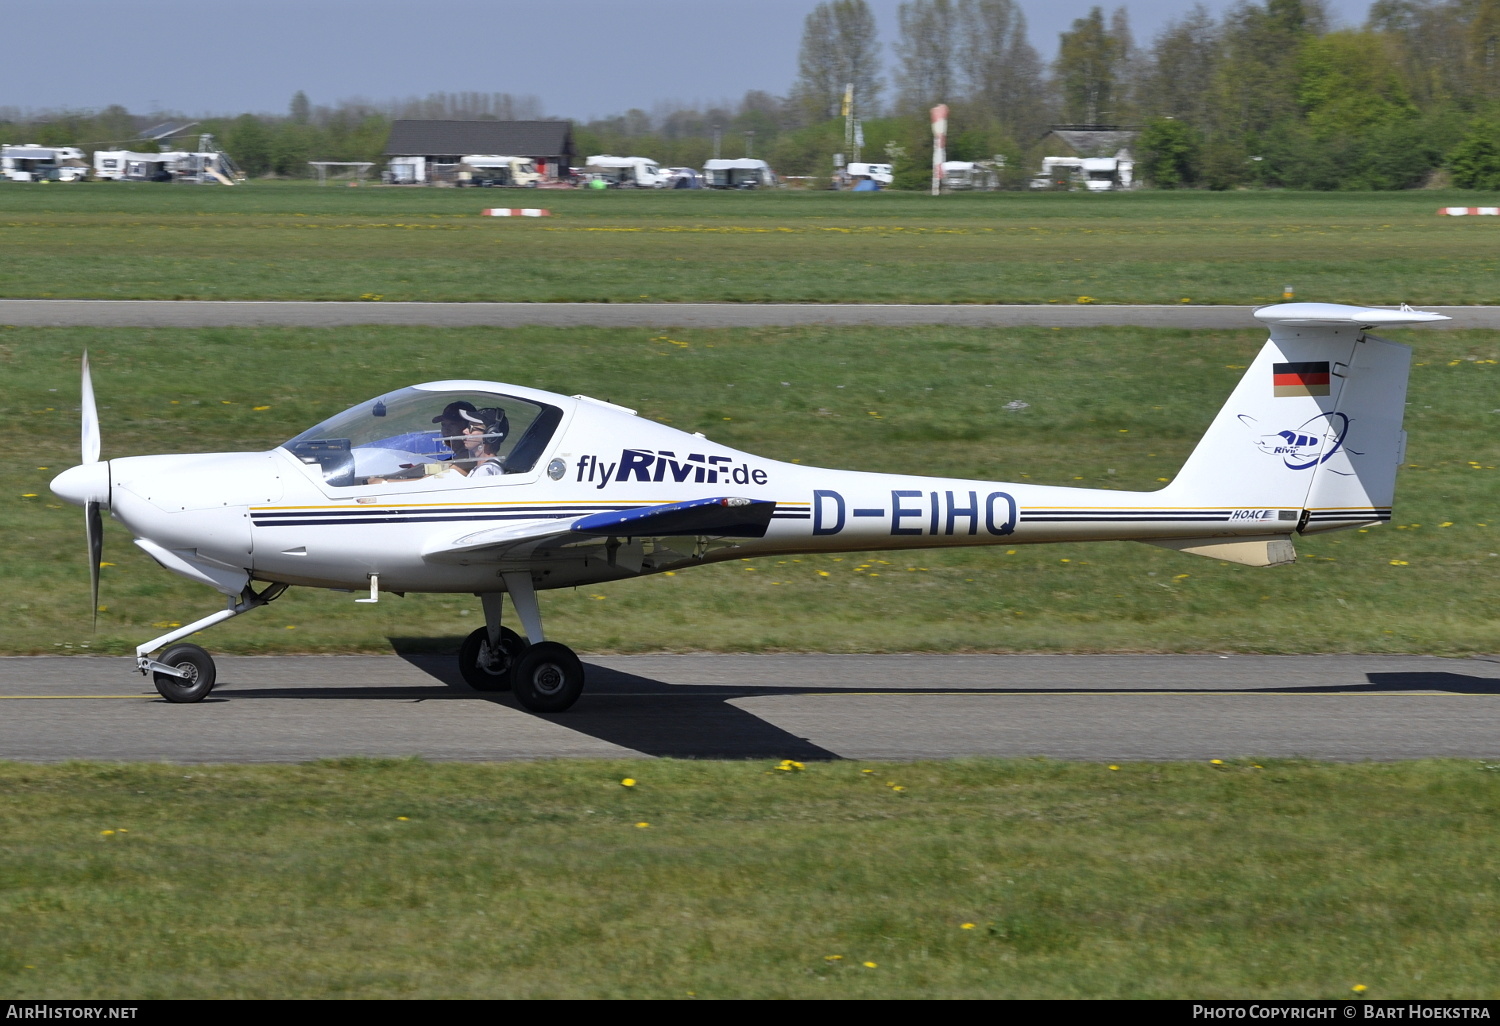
<point x="1107" y="407"/>
<point x="737" y="880"/>
<point x="271" y="240"/>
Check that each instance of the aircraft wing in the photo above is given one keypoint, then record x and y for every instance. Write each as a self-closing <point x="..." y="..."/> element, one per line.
<point x="720" y="517"/>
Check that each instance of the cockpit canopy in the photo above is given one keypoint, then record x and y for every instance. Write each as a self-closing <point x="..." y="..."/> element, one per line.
<point x="414" y="432"/>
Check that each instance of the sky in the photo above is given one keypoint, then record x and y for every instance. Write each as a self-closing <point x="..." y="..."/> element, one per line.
<point x="583" y="58"/>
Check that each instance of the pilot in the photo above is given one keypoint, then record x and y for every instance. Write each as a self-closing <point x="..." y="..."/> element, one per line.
<point x="453" y="424"/>
<point x="484" y="432"/>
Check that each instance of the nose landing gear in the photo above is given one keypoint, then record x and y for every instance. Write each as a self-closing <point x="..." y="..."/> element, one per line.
<point x="186" y="673"/>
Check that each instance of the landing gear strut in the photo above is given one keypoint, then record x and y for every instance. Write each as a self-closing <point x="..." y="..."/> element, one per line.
<point x="545" y="676"/>
<point x="186" y="673"/>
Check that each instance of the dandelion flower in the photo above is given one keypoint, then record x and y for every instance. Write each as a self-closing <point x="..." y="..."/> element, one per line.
<point x="966" y="926"/>
<point x="1114" y="767"/>
<point x="403" y="819"/>
<point x="867" y="771"/>
<point x="29" y="495"/>
<point x="833" y="958"/>
<point x="106" y="833"/>
<point x="628" y="782"/>
<point x="871" y="965"/>
<point x="1216" y="762"/>
<point x="1359" y="988"/>
<point x="642" y="826"/>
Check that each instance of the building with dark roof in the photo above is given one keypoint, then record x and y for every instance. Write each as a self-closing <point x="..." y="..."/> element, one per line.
<point x="425" y="151"/>
<point x="1091" y="140"/>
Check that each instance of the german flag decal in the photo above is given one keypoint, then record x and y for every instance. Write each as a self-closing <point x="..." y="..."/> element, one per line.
<point x="1300" y="378"/>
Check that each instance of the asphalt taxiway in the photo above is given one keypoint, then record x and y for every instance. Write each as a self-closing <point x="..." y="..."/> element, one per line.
<point x="875" y="707"/>
<point x="109" y="313"/>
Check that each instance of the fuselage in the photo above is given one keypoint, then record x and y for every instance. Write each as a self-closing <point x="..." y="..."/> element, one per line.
<point x="277" y="515"/>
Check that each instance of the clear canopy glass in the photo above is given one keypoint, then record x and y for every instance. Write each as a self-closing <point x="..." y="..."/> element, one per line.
<point x="414" y="433"/>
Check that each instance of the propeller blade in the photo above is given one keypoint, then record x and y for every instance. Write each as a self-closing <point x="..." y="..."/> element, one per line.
<point x="94" y="522"/>
<point x="90" y="416"/>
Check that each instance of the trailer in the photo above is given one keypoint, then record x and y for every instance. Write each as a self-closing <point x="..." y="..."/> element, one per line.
<point x="744" y="173"/>
<point x="33" y="163"/>
<point x="972" y="175"/>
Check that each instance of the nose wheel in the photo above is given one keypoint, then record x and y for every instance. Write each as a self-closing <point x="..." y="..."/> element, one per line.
<point x="198" y="674"/>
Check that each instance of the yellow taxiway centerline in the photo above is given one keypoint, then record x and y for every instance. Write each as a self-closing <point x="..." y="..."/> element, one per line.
<point x="53" y="698"/>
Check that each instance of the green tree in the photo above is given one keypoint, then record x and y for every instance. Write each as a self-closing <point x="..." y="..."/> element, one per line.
<point x="1169" y="153"/>
<point x="248" y="142"/>
<point x="839" y="48"/>
<point x="300" y="110"/>
<point x="1090" y="59"/>
<point x="1347" y="84"/>
<point x="1475" y="163"/>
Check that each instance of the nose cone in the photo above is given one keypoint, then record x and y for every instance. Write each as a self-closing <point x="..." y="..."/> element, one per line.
<point x="83" y="484"/>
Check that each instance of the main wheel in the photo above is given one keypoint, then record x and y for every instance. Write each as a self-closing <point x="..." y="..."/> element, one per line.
<point x="484" y="669"/>
<point x="198" y="665"/>
<point x="548" y="678"/>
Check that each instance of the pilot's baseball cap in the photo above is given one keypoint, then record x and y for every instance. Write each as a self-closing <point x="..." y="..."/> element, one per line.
<point x="455" y="411"/>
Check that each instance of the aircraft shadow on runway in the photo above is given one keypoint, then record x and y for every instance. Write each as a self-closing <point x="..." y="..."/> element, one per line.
<point x="688" y="721"/>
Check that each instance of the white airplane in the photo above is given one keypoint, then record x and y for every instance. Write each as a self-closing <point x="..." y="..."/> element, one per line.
<point x="493" y="489"/>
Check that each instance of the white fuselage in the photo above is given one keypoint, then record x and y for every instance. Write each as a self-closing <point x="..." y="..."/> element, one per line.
<point x="274" y="516"/>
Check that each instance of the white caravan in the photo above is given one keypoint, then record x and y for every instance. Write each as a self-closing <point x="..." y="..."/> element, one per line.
<point x="744" y="173"/>
<point x="33" y="163"/>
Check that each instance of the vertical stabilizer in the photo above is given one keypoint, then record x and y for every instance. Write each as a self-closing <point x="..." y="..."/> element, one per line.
<point x="1315" y="423"/>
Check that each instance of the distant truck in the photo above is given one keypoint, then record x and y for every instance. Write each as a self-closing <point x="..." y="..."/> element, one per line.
<point x="628" y="172"/>
<point x="497" y="171"/>
<point x="33" y="163"/>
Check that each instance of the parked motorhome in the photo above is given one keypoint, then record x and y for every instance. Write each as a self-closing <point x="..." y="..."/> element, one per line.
<point x="33" y="163"/>
<point x="1096" y="174"/>
<point x="495" y="170"/>
<point x="627" y="172"/>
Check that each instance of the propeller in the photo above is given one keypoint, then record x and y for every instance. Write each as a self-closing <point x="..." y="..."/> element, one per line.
<point x="93" y="519"/>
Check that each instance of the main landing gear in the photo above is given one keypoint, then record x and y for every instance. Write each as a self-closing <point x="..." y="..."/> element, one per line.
<point x="186" y="673"/>
<point x="544" y="676"/>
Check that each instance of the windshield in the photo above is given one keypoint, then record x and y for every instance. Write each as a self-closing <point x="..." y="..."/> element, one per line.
<point x="415" y="434"/>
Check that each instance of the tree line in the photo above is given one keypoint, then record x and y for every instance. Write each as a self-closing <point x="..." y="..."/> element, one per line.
<point x="1268" y="94"/>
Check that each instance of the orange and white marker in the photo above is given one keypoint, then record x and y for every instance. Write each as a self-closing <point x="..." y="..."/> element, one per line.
<point x="517" y="212"/>
<point x="1469" y="211"/>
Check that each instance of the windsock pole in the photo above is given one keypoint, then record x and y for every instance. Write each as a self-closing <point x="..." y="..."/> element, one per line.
<point x="939" y="145"/>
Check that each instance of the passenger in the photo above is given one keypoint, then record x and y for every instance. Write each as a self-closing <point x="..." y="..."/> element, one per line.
<point x="483" y="436"/>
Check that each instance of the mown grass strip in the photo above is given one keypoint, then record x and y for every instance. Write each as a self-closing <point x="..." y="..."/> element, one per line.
<point x="973" y="878"/>
<point x="295" y="241"/>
